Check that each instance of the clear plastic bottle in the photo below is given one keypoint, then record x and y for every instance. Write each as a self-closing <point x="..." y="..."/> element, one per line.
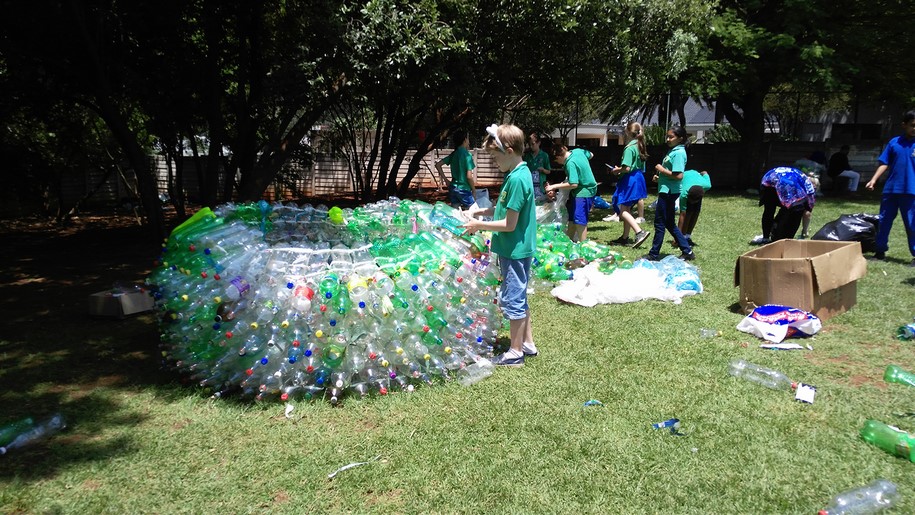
<point x="475" y="372"/>
<point x="761" y="375"/>
<point x="709" y="333"/>
<point x="40" y="431"/>
<point x="871" y="498"/>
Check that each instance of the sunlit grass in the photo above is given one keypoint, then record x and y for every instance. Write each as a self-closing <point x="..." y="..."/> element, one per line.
<point x="520" y="441"/>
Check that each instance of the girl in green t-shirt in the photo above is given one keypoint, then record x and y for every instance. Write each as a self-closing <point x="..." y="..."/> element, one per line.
<point x="539" y="163"/>
<point x="668" y="175"/>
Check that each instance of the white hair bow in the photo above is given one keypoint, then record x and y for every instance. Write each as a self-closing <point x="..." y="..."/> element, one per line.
<point x="493" y="130"/>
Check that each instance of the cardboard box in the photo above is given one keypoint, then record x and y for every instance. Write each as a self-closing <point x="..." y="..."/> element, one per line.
<point x="110" y="304"/>
<point x="817" y="276"/>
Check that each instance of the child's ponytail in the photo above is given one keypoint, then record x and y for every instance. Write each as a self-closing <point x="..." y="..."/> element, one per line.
<point x="635" y="129"/>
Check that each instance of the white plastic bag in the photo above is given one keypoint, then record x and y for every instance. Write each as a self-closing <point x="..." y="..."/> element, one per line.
<point x="482" y="198"/>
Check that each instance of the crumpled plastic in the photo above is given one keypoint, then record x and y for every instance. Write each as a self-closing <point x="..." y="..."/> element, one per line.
<point x="775" y="323"/>
<point x="670" y="280"/>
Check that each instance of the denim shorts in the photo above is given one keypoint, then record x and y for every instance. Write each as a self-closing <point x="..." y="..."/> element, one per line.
<point x="579" y="208"/>
<point x="513" y="292"/>
<point x="460" y="197"/>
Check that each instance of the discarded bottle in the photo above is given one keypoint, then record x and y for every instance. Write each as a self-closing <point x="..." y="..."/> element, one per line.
<point x="476" y="372"/>
<point x="891" y="439"/>
<point x="673" y="423"/>
<point x="10" y="431"/>
<point x="709" y="333"/>
<point x="871" y="498"/>
<point x="906" y="332"/>
<point x="40" y="431"/>
<point x="895" y="374"/>
<point x="761" y="375"/>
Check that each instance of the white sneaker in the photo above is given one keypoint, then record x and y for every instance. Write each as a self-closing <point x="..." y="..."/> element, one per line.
<point x="612" y="218"/>
<point x="759" y="239"/>
<point x="640" y="220"/>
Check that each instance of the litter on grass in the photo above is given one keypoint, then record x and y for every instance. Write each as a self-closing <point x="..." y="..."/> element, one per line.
<point x="670" y="279"/>
<point x="774" y="323"/>
<point x="351" y="465"/>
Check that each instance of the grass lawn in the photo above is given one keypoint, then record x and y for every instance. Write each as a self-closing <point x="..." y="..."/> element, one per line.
<point x="140" y="441"/>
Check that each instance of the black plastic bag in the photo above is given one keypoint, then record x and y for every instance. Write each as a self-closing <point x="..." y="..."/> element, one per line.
<point x="860" y="227"/>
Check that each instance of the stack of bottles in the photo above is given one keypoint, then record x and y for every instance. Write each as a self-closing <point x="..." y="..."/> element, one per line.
<point x="284" y="301"/>
<point x="557" y="257"/>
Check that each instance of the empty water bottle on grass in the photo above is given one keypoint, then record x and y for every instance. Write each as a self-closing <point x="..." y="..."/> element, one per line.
<point x="709" y="333"/>
<point x="879" y="495"/>
<point x="761" y="375"/>
<point x="38" y="432"/>
<point x="476" y="372"/>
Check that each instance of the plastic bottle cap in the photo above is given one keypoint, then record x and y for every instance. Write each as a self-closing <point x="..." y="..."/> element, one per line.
<point x="228" y="334"/>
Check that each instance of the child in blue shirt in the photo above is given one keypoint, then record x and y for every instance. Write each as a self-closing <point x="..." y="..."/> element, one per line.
<point x="899" y="190"/>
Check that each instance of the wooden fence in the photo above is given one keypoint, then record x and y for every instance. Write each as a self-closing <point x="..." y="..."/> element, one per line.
<point x="330" y="177"/>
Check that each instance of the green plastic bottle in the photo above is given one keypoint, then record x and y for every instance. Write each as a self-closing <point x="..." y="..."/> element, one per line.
<point x="895" y="374"/>
<point x="889" y="438"/>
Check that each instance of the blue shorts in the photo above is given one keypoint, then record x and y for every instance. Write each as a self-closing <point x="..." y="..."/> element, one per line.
<point x="579" y="208"/>
<point x="513" y="291"/>
<point x="460" y="197"/>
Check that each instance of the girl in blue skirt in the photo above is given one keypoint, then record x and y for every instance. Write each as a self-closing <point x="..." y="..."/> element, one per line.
<point x="631" y="187"/>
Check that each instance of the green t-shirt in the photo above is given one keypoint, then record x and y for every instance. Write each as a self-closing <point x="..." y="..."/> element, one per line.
<point x="693" y="178"/>
<point x="461" y="162"/>
<point x="675" y="161"/>
<point x="517" y="194"/>
<point x="631" y="157"/>
<point x="535" y="163"/>
<point x="578" y="171"/>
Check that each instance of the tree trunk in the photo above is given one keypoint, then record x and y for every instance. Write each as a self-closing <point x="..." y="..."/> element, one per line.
<point x="750" y="123"/>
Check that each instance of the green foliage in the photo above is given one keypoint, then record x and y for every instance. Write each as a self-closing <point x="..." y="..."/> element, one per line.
<point x="790" y="106"/>
<point x="655" y="135"/>
<point x="723" y="133"/>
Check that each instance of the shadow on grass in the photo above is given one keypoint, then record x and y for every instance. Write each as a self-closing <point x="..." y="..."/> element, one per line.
<point x="55" y="358"/>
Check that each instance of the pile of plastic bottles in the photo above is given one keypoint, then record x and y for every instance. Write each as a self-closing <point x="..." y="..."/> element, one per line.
<point x="284" y="301"/>
<point x="557" y="257"/>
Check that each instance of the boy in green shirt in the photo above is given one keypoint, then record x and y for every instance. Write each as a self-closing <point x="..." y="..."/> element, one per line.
<point x="579" y="179"/>
<point x="514" y="228"/>
<point x="460" y="189"/>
